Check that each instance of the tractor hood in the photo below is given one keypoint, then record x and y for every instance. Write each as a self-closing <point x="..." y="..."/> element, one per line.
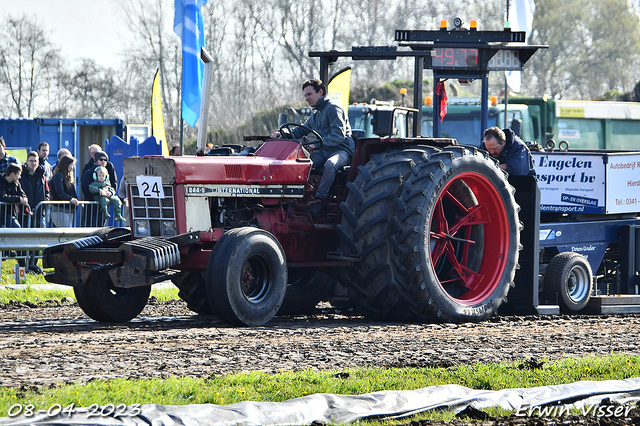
<point x="276" y="162"/>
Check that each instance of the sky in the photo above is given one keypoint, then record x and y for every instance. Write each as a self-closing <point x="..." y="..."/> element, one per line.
<point x="80" y="28"/>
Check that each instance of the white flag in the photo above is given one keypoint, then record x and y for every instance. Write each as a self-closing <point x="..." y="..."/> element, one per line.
<point x="521" y="19"/>
<point x="521" y="15"/>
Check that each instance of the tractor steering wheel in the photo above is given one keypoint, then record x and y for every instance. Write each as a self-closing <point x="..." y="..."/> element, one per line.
<point x="285" y="131"/>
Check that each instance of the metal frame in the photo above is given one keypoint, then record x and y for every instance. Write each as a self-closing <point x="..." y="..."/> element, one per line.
<point x="488" y="44"/>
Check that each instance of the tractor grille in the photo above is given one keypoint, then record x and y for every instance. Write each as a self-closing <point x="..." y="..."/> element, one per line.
<point x="153" y="217"/>
<point x="233" y="171"/>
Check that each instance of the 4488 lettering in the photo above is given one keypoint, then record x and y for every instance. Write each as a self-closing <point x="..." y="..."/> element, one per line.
<point x="94" y="410"/>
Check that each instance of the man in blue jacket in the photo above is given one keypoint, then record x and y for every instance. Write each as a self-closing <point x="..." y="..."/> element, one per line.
<point x="509" y="150"/>
<point x="332" y="123"/>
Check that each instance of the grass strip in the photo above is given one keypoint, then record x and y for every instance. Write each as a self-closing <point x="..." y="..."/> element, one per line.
<point x="258" y="386"/>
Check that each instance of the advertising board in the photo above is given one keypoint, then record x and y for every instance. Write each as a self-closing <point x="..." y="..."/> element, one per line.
<point x="623" y="183"/>
<point x="593" y="183"/>
<point x="570" y="182"/>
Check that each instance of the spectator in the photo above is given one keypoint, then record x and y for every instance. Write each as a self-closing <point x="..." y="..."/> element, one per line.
<point x="92" y="161"/>
<point x="89" y="173"/>
<point x="93" y="215"/>
<point x="6" y="159"/>
<point x="36" y="187"/>
<point x="43" y="154"/>
<point x="11" y="192"/>
<point x="175" y="151"/>
<point x="105" y="194"/>
<point x="63" y="188"/>
<point x="91" y="164"/>
<point x="61" y="152"/>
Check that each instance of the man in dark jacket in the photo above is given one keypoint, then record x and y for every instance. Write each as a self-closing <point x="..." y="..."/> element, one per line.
<point x="509" y="150"/>
<point x="36" y="186"/>
<point x="11" y="192"/>
<point x="101" y="159"/>
<point x="43" y="154"/>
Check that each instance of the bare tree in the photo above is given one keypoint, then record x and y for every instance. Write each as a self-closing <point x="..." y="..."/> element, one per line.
<point x="58" y="96"/>
<point x="94" y="91"/>
<point x="294" y="27"/>
<point x="27" y="63"/>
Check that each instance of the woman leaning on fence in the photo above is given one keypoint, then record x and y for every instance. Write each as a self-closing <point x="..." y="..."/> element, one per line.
<point x="63" y="188"/>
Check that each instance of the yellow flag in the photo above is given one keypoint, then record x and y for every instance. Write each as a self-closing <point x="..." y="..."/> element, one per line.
<point x="339" y="87"/>
<point x="157" y="123"/>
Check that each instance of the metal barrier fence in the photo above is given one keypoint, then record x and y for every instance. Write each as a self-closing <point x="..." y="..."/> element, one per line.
<point x="58" y="214"/>
<point x="24" y="235"/>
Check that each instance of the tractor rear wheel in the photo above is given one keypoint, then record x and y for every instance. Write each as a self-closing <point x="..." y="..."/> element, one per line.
<point x="569" y="274"/>
<point x="104" y="302"/>
<point x="247" y="277"/>
<point x="459" y="236"/>
<point x="193" y="290"/>
<point x="305" y="289"/>
<point x="366" y="228"/>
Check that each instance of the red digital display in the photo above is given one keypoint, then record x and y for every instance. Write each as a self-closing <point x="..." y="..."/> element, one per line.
<point x="454" y="57"/>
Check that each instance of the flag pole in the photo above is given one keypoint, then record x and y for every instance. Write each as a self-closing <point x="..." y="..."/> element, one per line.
<point x="181" y="126"/>
<point x="204" y="103"/>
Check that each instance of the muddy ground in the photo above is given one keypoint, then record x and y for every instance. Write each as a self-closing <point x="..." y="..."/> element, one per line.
<point x="44" y="345"/>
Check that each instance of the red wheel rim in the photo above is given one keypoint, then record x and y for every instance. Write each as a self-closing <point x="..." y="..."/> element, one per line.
<point x="469" y="241"/>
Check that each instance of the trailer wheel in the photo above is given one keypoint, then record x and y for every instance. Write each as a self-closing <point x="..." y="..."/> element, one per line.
<point x="305" y="289"/>
<point x="247" y="277"/>
<point x="459" y="236"/>
<point x="193" y="290"/>
<point x="104" y="302"/>
<point x="365" y="233"/>
<point x="570" y="275"/>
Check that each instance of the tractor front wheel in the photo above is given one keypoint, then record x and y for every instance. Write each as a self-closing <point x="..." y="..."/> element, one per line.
<point x="247" y="277"/>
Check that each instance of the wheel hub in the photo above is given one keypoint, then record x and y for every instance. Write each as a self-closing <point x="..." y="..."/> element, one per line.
<point x="255" y="279"/>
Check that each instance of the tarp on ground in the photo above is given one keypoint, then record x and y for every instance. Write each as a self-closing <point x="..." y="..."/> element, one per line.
<point x="327" y="408"/>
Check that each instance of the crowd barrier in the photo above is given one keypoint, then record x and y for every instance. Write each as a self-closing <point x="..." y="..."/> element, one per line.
<point x="47" y="224"/>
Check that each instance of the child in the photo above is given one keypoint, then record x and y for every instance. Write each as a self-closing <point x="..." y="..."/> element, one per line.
<point x="102" y="191"/>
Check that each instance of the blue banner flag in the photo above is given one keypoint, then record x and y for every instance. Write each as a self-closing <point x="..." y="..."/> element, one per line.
<point x="188" y="23"/>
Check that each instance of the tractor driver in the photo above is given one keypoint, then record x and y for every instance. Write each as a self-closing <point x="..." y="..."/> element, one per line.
<point x="332" y="123"/>
<point x="509" y="150"/>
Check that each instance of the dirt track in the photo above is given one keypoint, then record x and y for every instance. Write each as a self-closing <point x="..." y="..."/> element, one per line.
<point x="58" y="344"/>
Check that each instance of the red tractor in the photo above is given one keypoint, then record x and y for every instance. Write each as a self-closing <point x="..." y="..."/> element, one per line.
<point x="417" y="228"/>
